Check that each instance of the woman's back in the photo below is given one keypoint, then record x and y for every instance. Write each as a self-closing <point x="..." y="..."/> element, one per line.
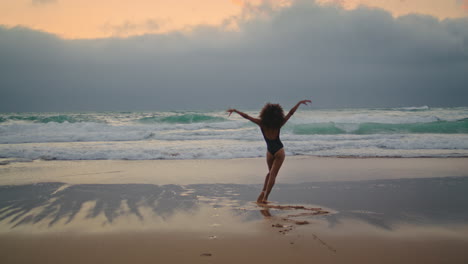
<point x="271" y="133"/>
<point x="272" y="140"/>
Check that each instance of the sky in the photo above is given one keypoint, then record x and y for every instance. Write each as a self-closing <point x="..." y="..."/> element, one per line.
<point x="78" y="55"/>
<point x="122" y="18"/>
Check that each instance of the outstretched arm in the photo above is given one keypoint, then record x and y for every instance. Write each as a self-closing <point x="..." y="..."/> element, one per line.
<point x="293" y="110"/>
<point x="244" y="115"/>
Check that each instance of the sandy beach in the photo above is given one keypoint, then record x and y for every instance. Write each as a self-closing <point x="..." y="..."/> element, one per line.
<point x="324" y="210"/>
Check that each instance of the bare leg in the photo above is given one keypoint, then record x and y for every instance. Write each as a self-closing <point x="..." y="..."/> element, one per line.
<point x="277" y="162"/>
<point x="269" y="159"/>
<point x="262" y="194"/>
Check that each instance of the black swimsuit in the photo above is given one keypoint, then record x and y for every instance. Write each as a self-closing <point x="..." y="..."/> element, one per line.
<point x="273" y="145"/>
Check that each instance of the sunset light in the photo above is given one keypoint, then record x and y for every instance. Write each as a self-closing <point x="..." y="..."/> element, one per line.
<point x="100" y="19"/>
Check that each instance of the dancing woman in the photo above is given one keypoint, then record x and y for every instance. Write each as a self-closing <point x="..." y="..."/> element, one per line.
<point x="270" y="121"/>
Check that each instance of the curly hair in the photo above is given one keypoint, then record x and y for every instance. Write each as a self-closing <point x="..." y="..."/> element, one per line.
<point x="272" y="116"/>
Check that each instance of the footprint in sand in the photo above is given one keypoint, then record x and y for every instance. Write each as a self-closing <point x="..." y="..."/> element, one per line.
<point x="310" y="211"/>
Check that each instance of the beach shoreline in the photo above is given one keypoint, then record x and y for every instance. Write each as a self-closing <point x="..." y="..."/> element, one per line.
<point x="296" y="169"/>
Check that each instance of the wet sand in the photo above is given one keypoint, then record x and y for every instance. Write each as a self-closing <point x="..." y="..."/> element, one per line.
<point x="324" y="210"/>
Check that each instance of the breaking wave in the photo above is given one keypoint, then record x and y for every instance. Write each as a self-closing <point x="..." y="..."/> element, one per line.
<point x="406" y="132"/>
<point x="182" y="119"/>
<point x="438" y="127"/>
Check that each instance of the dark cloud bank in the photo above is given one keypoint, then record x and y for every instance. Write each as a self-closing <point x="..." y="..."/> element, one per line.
<point x="359" y="58"/>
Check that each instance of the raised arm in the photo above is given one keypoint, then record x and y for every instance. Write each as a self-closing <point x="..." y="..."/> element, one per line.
<point x="244" y="115"/>
<point x="293" y="110"/>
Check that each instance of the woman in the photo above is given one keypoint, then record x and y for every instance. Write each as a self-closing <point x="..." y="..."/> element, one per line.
<point x="270" y="121"/>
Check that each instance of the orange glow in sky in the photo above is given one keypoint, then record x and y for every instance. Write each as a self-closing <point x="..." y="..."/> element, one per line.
<point x="122" y="18"/>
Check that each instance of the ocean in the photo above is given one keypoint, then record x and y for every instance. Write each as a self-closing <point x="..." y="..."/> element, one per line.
<point x="385" y="132"/>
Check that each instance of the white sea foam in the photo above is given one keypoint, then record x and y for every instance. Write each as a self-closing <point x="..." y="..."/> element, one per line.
<point x="413" y="108"/>
<point x="329" y="145"/>
<point x="404" y="132"/>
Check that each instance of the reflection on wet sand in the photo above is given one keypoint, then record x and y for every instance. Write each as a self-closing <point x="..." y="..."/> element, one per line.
<point x="221" y="223"/>
<point x="52" y="202"/>
<point x="383" y="203"/>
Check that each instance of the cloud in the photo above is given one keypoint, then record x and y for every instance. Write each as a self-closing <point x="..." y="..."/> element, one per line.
<point x="339" y="58"/>
<point x="128" y="28"/>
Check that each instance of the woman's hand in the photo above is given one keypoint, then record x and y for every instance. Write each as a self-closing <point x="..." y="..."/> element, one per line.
<point x="304" y="102"/>
<point x="230" y="111"/>
<point x="244" y="115"/>
<point x="293" y="110"/>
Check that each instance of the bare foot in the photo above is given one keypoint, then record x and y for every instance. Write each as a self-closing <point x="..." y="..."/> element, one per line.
<point x="263" y="203"/>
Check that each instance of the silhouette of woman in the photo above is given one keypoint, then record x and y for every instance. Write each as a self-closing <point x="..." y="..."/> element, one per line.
<point x="270" y="121"/>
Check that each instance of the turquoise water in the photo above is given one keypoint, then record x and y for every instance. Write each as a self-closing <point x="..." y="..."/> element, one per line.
<point x="437" y="127"/>
<point x="406" y="132"/>
<point x="182" y="119"/>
